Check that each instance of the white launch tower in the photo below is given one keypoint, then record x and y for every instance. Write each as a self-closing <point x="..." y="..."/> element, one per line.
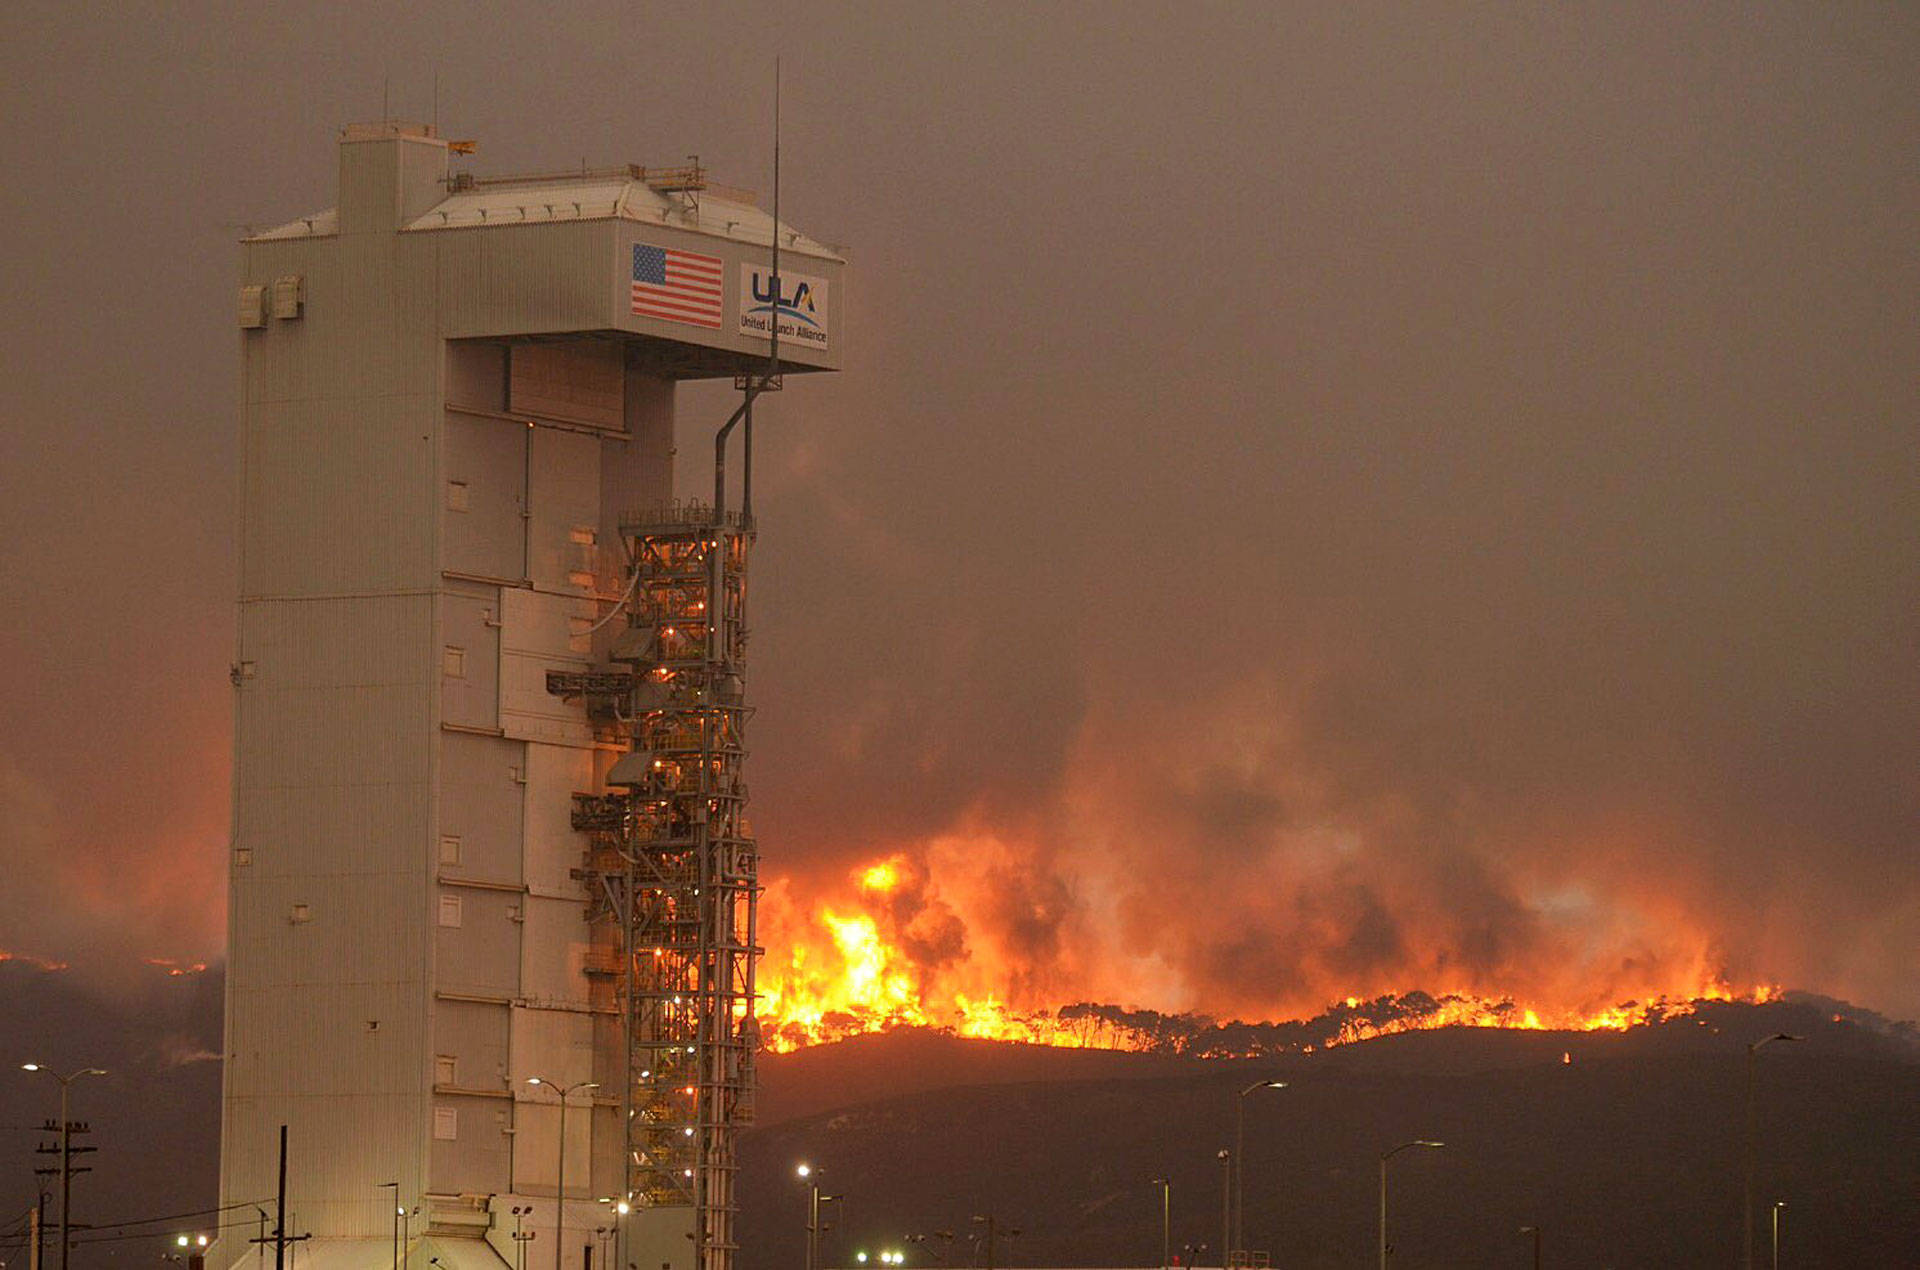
<point x="488" y="802"/>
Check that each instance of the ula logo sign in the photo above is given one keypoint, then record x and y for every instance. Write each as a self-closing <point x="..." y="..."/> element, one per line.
<point x="799" y="306"/>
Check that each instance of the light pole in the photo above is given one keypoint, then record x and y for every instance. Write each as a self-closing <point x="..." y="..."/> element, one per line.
<point x="1422" y="1142"/>
<point x="395" y="1188"/>
<point x="1777" y="1206"/>
<point x="560" y="1187"/>
<point x="1166" y="1221"/>
<point x="1226" y="1207"/>
<point x="406" y="1227"/>
<point x="1535" y="1232"/>
<point x="66" y="1145"/>
<point x="806" y="1172"/>
<point x="1240" y="1163"/>
<point x="520" y="1238"/>
<point x="810" y="1174"/>
<point x="1746" y="1206"/>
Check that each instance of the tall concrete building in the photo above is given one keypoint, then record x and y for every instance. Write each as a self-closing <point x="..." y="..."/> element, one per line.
<point x="490" y="867"/>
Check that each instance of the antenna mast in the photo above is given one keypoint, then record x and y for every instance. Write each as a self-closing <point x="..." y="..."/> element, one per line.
<point x="768" y="380"/>
<point x="773" y="349"/>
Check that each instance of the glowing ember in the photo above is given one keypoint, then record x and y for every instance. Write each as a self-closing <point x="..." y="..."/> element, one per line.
<point x="878" y="962"/>
<point x="27" y="959"/>
<point x="176" y="968"/>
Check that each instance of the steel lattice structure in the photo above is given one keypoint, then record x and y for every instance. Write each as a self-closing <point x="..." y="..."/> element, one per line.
<point x="672" y="865"/>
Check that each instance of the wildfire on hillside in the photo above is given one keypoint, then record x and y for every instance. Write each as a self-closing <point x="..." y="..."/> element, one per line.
<point x="893" y="952"/>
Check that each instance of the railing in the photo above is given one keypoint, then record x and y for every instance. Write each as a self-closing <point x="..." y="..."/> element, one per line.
<point x="691" y="513"/>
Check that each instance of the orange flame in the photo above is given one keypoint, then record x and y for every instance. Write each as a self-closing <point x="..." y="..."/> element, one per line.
<point x="862" y="965"/>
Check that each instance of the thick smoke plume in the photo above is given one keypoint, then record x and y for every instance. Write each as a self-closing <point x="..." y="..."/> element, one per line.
<point x="1321" y="505"/>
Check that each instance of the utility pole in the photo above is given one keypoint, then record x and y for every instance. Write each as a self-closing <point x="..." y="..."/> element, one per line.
<point x="280" y="1210"/>
<point x="66" y="1148"/>
<point x="993" y="1232"/>
<point x="36" y="1218"/>
<point x="280" y="1238"/>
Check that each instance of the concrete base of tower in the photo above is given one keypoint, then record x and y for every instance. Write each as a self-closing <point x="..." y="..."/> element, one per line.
<point x="658" y="1239"/>
<point x="430" y="1252"/>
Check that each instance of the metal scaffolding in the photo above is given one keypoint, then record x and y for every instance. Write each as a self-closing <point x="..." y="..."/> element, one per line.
<point x="672" y="866"/>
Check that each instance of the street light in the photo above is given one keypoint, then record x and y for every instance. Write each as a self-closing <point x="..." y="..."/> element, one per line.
<point x="810" y="1174"/>
<point x="560" y="1187"/>
<point x="1226" y="1207"/>
<point x="66" y="1146"/>
<point x="805" y="1172"/>
<point x="1240" y="1163"/>
<point x="1166" y="1224"/>
<point x="621" y="1210"/>
<point x="614" y="1233"/>
<point x="520" y="1239"/>
<point x="1746" y="1208"/>
<point x="1777" y="1206"/>
<point x="1535" y="1232"/>
<point x="395" y="1188"/>
<point x="1422" y="1142"/>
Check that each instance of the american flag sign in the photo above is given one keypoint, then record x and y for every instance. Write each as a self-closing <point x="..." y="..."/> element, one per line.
<point x="678" y="286"/>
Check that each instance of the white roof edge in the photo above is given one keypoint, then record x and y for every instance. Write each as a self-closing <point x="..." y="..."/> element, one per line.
<point x="590" y="199"/>
<point x="489" y="207"/>
<point x="804" y="247"/>
<point x="321" y="224"/>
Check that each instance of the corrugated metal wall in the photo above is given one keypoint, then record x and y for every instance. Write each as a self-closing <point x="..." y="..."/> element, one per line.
<point x="429" y="506"/>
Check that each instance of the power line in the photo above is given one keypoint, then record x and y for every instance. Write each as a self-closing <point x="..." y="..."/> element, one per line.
<point x="19" y="1236"/>
<point x="198" y="1212"/>
<point x="153" y="1234"/>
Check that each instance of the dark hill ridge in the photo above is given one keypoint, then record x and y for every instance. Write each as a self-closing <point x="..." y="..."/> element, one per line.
<point x="882" y="1065"/>
<point x="1628" y="1155"/>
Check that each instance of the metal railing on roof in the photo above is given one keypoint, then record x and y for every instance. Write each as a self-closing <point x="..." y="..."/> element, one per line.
<point x="675" y="514"/>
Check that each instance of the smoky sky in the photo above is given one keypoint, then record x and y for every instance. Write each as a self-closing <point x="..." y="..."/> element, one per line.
<point x="1400" y="497"/>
